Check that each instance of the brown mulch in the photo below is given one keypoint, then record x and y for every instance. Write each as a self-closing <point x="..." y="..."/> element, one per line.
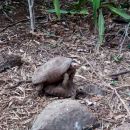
<point x="71" y="37"/>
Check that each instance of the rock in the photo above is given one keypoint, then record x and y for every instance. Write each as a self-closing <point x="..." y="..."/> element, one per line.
<point x="90" y="89"/>
<point x="65" y="114"/>
<point x="125" y="126"/>
<point x="9" y="61"/>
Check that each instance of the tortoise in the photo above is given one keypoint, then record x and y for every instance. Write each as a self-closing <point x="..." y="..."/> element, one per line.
<point x="60" y="89"/>
<point x="53" y="71"/>
<point x="65" y="88"/>
<point x="55" y="77"/>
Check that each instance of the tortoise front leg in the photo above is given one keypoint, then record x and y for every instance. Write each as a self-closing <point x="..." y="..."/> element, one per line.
<point x="65" y="81"/>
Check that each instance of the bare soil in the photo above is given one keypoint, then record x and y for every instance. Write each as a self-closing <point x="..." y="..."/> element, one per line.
<point x="69" y="37"/>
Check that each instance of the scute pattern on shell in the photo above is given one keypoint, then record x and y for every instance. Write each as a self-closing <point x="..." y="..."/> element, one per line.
<point x="52" y="70"/>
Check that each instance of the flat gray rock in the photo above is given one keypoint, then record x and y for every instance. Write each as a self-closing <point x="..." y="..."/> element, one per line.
<point x="9" y="61"/>
<point x="90" y="89"/>
<point x="65" y="114"/>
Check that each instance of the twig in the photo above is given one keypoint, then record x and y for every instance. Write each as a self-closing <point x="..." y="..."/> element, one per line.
<point x="6" y="15"/>
<point x="21" y="21"/>
<point x="120" y="73"/>
<point x="108" y="120"/>
<point x="121" y="87"/>
<point x="126" y="34"/>
<point x="19" y="83"/>
<point x="13" y="24"/>
<point x="125" y="106"/>
<point x="92" y="127"/>
<point x="122" y="101"/>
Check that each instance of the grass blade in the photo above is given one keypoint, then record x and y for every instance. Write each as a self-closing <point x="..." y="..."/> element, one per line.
<point x="101" y="27"/>
<point x="96" y="5"/>
<point x="57" y="8"/>
<point x="120" y="12"/>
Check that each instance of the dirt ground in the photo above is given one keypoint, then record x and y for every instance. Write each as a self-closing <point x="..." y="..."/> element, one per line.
<point x="69" y="37"/>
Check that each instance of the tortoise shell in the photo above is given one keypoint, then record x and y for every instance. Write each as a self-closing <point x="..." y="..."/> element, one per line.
<point x="52" y="71"/>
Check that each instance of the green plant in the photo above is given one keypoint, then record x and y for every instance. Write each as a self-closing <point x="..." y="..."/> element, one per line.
<point x="97" y="7"/>
<point x="101" y="27"/>
<point x="77" y="9"/>
<point x="57" y="8"/>
<point x="119" y="12"/>
<point x="114" y="82"/>
<point x="117" y="58"/>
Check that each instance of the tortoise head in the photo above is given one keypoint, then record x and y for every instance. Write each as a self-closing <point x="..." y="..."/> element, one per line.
<point x="74" y="64"/>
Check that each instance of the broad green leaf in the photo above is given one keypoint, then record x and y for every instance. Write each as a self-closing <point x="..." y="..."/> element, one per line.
<point x="82" y="11"/>
<point x="57" y="8"/>
<point x="73" y="12"/>
<point x="120" y="12"/>
<point x="101" y="27"/>
<point x="96" y="4"/>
